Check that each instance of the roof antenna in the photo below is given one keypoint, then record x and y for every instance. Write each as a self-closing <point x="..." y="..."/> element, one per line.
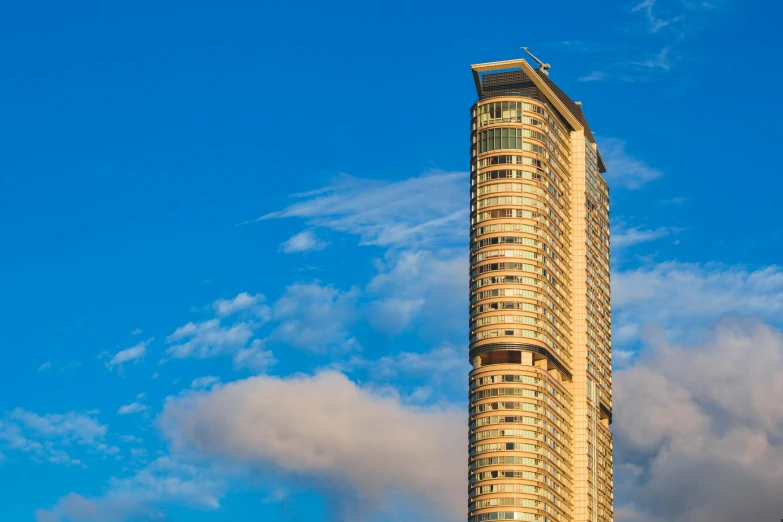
<point x="543" y="66"/>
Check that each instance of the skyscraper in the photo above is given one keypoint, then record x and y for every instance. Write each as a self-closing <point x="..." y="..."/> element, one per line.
<point x="540" y="345"/>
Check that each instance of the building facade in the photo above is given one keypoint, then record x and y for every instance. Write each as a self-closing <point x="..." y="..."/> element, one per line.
<point x="540" y="346"/>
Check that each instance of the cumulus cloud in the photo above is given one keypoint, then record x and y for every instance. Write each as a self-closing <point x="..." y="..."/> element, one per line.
<point x="314" y="317"/>
<point x="133" y="354"/>
<point x="684" y="297"/>
<point x="420" y="283"/>
<point x="163" y="481"/>
<point x="698" y="428"/>
<point x="43" y="437"/>
<point x="255" y="357"/>
<point x="305" y="241"/>
<point x="208" y="339"/>
<point x="129" y="409"/>
<point x="325" y="429"/>
<point x="241" y="303"/>
<point x="622" y="168"/>
<point x="387" y="213"/>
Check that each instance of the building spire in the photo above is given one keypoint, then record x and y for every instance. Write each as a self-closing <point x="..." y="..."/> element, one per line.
<point x="543" y="66"/>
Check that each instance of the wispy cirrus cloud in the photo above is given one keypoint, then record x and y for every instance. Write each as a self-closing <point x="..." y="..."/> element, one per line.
<point x="657" y="18"/>
<point x="623" y="169"/>
<point x="624" y="236"/>
<point x="384" y="213"/>
<point x="594" y="76"/>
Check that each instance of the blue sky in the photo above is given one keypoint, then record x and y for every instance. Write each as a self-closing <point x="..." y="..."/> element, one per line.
<point x="229" y="293"/>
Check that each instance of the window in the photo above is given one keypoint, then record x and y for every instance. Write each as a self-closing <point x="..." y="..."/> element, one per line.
<point x="500" y="112"/>
<point x="503" y="138"/>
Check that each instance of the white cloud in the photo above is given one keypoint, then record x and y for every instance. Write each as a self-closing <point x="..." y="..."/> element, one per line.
<point x="624" y="236"/>
<point x="208" y="339"/>
<point x="71" y="426"/>
<point x="133" y="354"/>
<point x="661" y="60"/>
<point x="163" y="481"/>
<point x="255" y="357"/>
<point x="134" y="407"/>
<point x="698" y="428"/>
<point x="43" y="436"/>
<point x="594" y="76"/>
<point x="420" y="283"/>
<point x="655" y="20"/>
<point x="314" y="317"/>
<point x="242" y="302"/>
<point x="388" y="213"/>
<point x="137" y="331"/>
<point x="683" y="297"/>
<point x="305" y="241"/>
<point x="332" y="433"/>
<point x="623" y="169"/>
<point x="204" y="382"/>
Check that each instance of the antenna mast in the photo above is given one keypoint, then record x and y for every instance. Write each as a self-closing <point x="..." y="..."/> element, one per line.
<point x="543" y="66"/>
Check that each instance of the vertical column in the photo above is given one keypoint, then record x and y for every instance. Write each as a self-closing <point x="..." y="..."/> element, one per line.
<point x="581" y="405"/>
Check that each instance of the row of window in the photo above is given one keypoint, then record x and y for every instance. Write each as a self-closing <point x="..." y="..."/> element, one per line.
<point x="499" y="461"/>
<point x="504" y="305"/>
<point x="508" y="160"/>
<point x="493" y="434"/>
<point x="495" y="139"/>
<point x="507" y="515"/>
<point x="504" y="419"/>
<point x="504" y="446"/>
<point x="508" y="405"/>
<point x="504" y="279"/>
<point x="488" y="334"/>
<point x="505" y="111"/>
<point x="505" y="488"/>
<point x="526" y="379"/>
<point x="500" y="213"/>
<point x="506" y="200"/>
<point x="494" y="267"/>
<point x="504" y="187"/>
<point x="506" y="377"/>
<point x="508" y="138"/>
<point x="502" y="319"/>
<point x="507" y="227"/>
<point x="489" y="475"/>
<point x="508" y="240"/>
<point x="492" y="254"/>
<point x="525" y="475"/>
<point x="504" y="502"/>
<point x="508" y="174"/>
<point x="504" y="292"/>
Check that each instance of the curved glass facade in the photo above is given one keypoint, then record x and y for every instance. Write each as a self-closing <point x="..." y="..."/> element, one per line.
<point x="540" y="389"/>
<point x="520" y="294"/>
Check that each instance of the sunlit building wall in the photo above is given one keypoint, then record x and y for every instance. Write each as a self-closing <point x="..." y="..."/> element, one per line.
<point x="540" y="446"/>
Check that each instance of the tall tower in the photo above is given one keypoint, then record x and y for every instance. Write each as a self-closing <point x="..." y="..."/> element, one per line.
<point x="540" y="345"/>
